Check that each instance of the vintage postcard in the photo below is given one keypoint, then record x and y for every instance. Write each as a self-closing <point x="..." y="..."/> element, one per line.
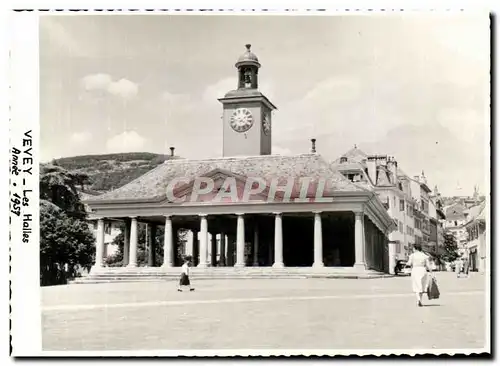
<point x="229" y="183"/>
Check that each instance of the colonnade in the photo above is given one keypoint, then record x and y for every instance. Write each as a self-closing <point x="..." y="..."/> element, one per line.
<point x="131" y="242"/>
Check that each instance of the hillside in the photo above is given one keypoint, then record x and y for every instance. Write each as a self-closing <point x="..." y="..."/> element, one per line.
<point x="110" y="171"/>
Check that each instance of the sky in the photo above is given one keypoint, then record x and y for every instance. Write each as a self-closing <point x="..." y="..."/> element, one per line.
<point x="414" y="86"/>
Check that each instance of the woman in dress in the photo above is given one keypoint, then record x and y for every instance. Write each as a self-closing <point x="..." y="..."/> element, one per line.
<point x="420" y="264"/>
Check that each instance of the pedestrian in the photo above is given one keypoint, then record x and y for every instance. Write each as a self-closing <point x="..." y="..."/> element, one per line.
<point x="184" y="280"/>
<point x="458" y="266"/>
<point x="466" y="266"/>
<point x="419" y="263"/>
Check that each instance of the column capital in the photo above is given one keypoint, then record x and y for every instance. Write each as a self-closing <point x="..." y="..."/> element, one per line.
<point x="133" y="217"/>
<point x="202" y="215"/>
<point x="317" y="212"/>
<point x="277" y="213"/>
<point x="239" y="214"/>
<point x="167" y="216"/>
<point x="359" y="214"/>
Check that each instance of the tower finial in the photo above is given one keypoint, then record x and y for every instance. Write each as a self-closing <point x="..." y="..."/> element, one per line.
<point x="248" y="45"/>
<point x="313" y="147"/>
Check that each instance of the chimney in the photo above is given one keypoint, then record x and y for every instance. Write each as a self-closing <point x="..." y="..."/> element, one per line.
<point x="313" y="147"/>
<point x="392" y="165"/>
<point x="172" y="149"/>
<point x="371" y="164"/>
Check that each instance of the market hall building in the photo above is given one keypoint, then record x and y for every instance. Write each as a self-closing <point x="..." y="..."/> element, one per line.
<point x="341" y="227"/>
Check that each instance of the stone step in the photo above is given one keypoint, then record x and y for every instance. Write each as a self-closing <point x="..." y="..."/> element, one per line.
<point x="141" y="278"/>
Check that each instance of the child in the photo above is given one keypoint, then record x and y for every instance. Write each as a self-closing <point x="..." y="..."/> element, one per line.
<point x="184" y="281"/>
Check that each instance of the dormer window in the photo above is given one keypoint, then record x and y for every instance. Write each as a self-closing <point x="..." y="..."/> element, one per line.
<point x="343" y="159"/>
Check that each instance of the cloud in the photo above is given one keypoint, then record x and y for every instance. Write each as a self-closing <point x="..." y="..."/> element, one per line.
<point x="123" y="88"/>
<point x="104" y="82"/>
<point x="219" y="89"/>
<point x="96" y="82"/>
<point x="80" y="137"/>
<point x="127" y="141"/>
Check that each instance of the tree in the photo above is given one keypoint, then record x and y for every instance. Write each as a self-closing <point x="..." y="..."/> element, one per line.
<point x="65" y="236"/>
<point x="449" y="253"/>
<point x="64" y="240"/>
<point x="58" y="186"/>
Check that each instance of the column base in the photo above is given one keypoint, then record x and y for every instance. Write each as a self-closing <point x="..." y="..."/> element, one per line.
<point x="360" y="266"/>
<point x="318" y="265"/>
<point x="255" y="264"/>
<point x="201" y="265"/>
<point x="278" y="265"/>
<point x="167" y="265"/>
<point x="132" y="265"/>
<point x="239" y="265"/>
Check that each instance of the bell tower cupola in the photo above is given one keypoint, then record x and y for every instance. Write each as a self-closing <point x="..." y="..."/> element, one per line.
<point x="247" y="112"/>
<point x="248" y="70"/>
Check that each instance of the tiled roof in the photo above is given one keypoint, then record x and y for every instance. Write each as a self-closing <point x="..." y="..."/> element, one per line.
<point x="477" y="212"/>
<point x="153" y="184"/>
<point x="347" y="166"/>
<point x="354" y="155"/>
<point x="456" y="211"/>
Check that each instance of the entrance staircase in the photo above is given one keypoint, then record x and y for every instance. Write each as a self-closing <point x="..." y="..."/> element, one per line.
<point x="140" y="274"/>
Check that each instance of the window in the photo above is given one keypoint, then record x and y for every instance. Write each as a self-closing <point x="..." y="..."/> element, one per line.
<point x="456" y="224"/>
<point x="401" y="205"/>
<point x="409" y="230"/>
<point x="409" y="210"/>
<point x="401" y="230"/>
<point x="95" y="225"/>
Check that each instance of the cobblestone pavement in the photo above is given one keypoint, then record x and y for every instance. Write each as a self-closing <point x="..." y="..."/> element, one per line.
<point x="265" y="314"/>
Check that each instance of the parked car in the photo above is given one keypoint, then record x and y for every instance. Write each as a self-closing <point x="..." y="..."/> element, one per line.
<point x="401" y="269"/>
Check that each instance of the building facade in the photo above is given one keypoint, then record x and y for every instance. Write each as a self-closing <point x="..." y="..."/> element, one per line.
<point x="324" y="222"/>
<point x="476" y="237"/>
<point x="408" y="200"/>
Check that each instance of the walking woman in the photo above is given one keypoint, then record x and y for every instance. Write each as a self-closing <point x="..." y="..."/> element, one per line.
<point x="420" y="264"/>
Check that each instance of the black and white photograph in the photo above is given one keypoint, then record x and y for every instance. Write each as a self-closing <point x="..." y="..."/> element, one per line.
<point x="250" y="184"/>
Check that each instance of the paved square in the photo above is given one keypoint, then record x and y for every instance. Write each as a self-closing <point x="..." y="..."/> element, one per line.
<point x="265" y="314"/>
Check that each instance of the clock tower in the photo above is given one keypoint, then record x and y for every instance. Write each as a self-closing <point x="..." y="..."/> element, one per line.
<point x="247" y="112"/>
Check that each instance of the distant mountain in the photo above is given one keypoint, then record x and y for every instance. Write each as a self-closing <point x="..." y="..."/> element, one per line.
<point x="110" y="171"/>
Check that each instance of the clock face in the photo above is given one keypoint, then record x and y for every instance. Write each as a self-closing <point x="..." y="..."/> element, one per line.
<point x="241" y="120"/>
<point x="266" y="124"/>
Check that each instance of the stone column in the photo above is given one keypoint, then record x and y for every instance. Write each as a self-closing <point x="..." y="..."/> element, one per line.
<point x="168" y="244"/>
<point x="189" y="243"/>
<point x="256" y="245"/>
<point x="99" y="245"/>
<point x="240" y="241"/>
<point x="359" y="241"/>
<point x="213" y="250"/>
<point x="222" y="259"/>
<point x="318" y="241"/>
<point x="392" y="255"/>
<point x="203" y="241"/>
<point x="196" y="248"/>
<point x="126" y="243"/>
<point x="278" y="241"/>
<point x="151" y="244"/>
<point x="133" y="243"/>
